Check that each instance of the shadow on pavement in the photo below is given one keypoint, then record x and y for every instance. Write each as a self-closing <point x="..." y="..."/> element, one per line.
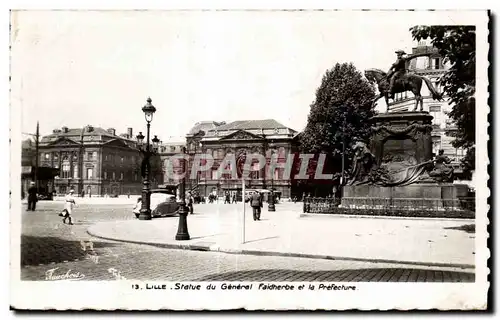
<point x="43" y="250"/>
<point x="346" y="275"/>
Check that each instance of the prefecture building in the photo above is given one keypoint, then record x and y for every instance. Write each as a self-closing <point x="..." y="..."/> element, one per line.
<point x="432" y="67"/>
<point x="95" y="161"/>
<point x="240" y="138"/>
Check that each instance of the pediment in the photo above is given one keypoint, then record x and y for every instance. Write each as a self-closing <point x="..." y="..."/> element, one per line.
<point x="116" y="143"/>
<point x="242" y="135"/>
<point x="64" y="142"/>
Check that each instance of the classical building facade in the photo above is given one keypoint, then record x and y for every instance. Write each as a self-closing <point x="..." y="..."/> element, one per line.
<point x="95" y="161"/>
<point x="169" y="147"/>
<point x="241" y="138"/>
<point x="432" y="67"/>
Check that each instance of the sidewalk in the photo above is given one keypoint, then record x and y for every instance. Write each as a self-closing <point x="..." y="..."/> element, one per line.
<point x="286" y="232"/>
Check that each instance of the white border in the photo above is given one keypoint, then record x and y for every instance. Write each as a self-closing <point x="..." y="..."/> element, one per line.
<point x="403" y="296"/>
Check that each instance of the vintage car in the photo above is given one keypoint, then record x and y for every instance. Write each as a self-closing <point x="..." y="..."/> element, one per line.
<point x="162" y="204"/>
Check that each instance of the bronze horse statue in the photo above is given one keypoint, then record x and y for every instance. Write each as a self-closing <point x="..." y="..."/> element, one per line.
<point x="408" y="82"/>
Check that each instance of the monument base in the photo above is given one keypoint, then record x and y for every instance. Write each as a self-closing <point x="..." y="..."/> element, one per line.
<point x="437" y="196"/>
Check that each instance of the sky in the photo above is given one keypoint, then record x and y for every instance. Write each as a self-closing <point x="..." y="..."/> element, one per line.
<point x="74" y="68"/>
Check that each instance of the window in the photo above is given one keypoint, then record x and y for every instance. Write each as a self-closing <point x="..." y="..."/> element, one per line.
<point x="214" y="174"/>
<point x="121" y="175"/>
<point x="56" y="156"/>
<point x="94" y="155"/>
<point x="172" y="148"/>
<point x="435" y="63"/>
<point x="90" y="173"/>
<point x="435" y="111"/>
<point x="255" y="174"/>
<point x="47" y="156"/>
<point x="90" y="156"/>
<point x="105" y="175"/>
<point x="75" y="171"/>
<point x="106" y="157"/>
<point x="114" y="175"/>
<point x="122" y="159"/>
<point x="276" y="175"/>
<point x="436" y="144"/>
<point x="65" y="170"/>
<point x="135" y="176"/>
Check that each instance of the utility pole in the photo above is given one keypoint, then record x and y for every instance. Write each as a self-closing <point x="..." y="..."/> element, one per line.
<point x="37" y="138"/>
<point x="343" y="148"/>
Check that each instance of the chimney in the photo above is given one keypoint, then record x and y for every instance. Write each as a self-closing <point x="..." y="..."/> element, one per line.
<point x="90" y="128"/>
<point x="130" y="133"/>
<point x="112" y="131"/>
<point x="64" y="129"/>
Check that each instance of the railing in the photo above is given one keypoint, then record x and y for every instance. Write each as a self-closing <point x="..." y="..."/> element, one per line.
<point x="462" y="207"/>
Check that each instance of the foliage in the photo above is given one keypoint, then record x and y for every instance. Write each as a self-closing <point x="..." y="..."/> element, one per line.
<point x="342" y="105"/>
<point x="457" y="44"/>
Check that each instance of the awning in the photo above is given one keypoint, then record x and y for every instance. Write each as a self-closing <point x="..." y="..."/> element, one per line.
<point x="44" y="173"/>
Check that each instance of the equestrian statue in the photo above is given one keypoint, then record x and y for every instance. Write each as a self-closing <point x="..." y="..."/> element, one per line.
<point x="398" y="80"/>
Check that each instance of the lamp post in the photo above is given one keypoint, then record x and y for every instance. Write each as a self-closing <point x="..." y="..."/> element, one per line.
<point x="145" y="212"/>
<point x="182" y="230"/>
<point x="270" y="202"/>
<point x="343" y="148"/>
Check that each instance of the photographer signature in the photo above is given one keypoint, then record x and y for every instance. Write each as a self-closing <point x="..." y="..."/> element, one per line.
<point x="51" y="275"/>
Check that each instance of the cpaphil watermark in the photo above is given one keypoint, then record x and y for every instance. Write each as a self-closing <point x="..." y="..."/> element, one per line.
<point x="303" y="166"/>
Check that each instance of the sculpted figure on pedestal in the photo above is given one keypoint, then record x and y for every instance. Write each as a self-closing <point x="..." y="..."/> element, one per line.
<point x="398" y="80"/>
<point x="442" y="172"/>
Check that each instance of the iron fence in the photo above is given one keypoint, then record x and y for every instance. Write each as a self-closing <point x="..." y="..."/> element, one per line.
<point x="461" y="207"/>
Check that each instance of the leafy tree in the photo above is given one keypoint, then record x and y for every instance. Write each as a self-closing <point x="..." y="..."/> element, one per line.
<point x="457" y="44"/>
<point x="341" y="110"/>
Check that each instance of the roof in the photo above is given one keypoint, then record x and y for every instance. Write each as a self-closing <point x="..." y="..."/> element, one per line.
<point x="204" y="126"/>
<point x="173" y="141"/>
<point x="76" y="133"/>
<point x="27" y="144"/>
<point x="252" y="124"/>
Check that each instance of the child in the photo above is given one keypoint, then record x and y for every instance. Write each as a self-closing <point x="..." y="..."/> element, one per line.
<point x="68" y="207"/>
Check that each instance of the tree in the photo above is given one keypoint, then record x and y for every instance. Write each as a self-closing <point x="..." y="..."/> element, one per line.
<point x="457" y="45"/>
<point x="341" y="110"/>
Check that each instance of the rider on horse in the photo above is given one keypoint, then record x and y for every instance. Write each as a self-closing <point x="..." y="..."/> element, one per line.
<point x="397" y="70"/>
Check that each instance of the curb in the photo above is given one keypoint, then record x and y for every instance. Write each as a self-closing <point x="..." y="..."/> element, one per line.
<point x="213" y="247"/>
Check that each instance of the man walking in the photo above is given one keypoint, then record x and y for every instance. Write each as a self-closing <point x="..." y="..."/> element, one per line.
<point x="256" y="203"/>
<point x="32" y="199"/>
<point x="68" y="206"/>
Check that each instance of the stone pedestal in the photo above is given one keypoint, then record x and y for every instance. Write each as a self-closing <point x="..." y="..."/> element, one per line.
<point x="402" y="137"/>
<point x="415" y="196"/>
<point x="402" y="141"/>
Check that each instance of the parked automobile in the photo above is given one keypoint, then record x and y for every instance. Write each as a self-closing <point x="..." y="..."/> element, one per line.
<point x="45" y="196"/>
<point x="162" y="204"/>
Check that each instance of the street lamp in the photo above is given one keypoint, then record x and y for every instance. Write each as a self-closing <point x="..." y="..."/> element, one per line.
<point x="149" y="110"/>
<point x="270" y="203"/>
<point x="182" y="230"/>
<point x="270" y="200"/>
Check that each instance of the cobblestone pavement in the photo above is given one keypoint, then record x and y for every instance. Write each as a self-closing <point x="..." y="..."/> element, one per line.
<point x="50" y="249"/>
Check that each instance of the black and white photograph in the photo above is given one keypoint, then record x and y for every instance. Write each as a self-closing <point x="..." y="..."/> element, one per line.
<point x="249" y="159"/>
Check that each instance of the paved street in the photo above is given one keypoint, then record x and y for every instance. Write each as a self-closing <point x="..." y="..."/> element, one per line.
<point x="48" y="244"/>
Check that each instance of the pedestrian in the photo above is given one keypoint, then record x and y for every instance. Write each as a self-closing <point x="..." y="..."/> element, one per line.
<point x="68" y="206"/>
<point x="234" y="198"/>
<point x="137" y="207"/>
<point x="190" y="203"/>
<point x="128" y="194"/>
<point x="227" y="198"/>
<point x="256" y="203"/>
<point x="83" y="194"/>
<point x="32" y="196"/>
